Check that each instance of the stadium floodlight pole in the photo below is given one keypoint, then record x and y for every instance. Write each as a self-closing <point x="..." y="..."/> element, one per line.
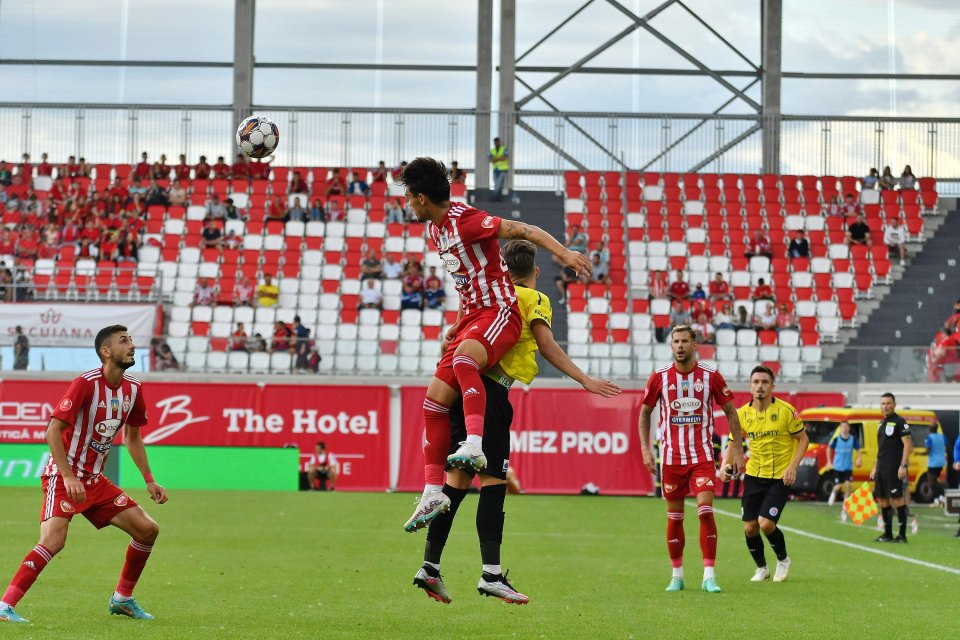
<point x="481" y="170"/>
<point x="771" y="38"/>
<point x="244" y="11"/>
<point x="508" y="105"/>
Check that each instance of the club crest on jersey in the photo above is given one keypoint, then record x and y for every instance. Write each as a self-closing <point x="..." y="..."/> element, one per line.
<point x="65" y="404"/>
<point x="683" y="405"/>
<point x="774" y="511"/>
<point x="698" y="386"/>
<point x="121" y="500"/>
<point x="115" y="404"/>
<point x="487" y="222"/>
<point x="684" y="386"/>
<point x="443" y="242"/>
<point x="774" y="417"/>
<point x="66" y="507"/>
<point x="126" y="404"/>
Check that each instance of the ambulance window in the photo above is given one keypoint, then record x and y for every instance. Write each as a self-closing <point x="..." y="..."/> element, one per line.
<point x="856" y="430"/>
<point x="820" y="431"/>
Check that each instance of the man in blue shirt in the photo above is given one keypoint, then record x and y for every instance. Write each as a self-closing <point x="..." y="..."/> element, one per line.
<point x="840" y="454"/>
<point x="936" y="461"/>
<point x="956" y="467"/>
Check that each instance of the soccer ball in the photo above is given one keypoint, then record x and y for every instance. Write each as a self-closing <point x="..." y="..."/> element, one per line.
<point x="257" y="136"/>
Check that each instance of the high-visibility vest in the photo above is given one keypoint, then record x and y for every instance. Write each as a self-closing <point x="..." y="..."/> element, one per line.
<point x="500" y="165"/>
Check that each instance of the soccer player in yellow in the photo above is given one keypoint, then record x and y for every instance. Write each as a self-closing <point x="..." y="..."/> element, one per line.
<point x="519" y="363"/>
<point x="777" y="444"/>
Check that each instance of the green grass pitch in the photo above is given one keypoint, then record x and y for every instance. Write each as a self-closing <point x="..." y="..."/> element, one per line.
<point x="338" y="565"/>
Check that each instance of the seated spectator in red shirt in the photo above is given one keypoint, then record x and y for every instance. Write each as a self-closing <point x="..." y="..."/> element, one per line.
<point x="457" y="175"/>
<point x="72" y="169"/>
<point x="705" y="331"/>
<point x="759" y="245"/>
<point x="701" y="306"/>
<point x="433" y="279"/>
<point x="143" y="168"/>
<point x="221" y="170"/>
<point x="108" y="247"/>
<point x="719" y="289"/>
<point x="83" y="169"/>
<point x="27" y="245"/>
<point x="851" y="208"/>
<point x="659" y="284"/>
<point x="281" y="337"/>
<point x="260" y="169"/>
<point x="47" y="250"/>
<point x="243" y="293"/>
<point x="118" y="190"/>
<point x="182" y="170"/>
<point x="24" y="171"/>
<point x="69" y="232"/>
<point x="334" y="210"/>
<point x="276" y="210"/>
<point x="413" y="277"/>
<point x="762" y="291"/>
<point x="240" y="168"/>
<point x="86" y="249"/>
<point x="205" y="293"/>
<point x="238" y="339"/>
<point x="44" y="168"/>
<point x="679" y="290"/>
<point x="201" y="171"/>
<point x="298" y="184"/>
<point x="127" y="251"/>
<point x="786" y="319"/>
<point x="335" y="185"/>
<point x="161" y="169"/>
<point x="397" y="173"/>
<point x="232" y="241"/>
<point x="380" y="173"/>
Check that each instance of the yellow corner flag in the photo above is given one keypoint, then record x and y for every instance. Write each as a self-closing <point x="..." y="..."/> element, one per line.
<point x="861" y="505"/>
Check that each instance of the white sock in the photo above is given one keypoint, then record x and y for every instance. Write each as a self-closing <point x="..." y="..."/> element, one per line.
<point x="431" y="488"/>
<point x="708" y="572"/>
<point x="477" y="440"/>
<point x="678" y="572"/>
<point x="120" y="598"/>
<point x="492" y="569"/>
<point x="431" y="565"/>
<point x="4" y="605"/>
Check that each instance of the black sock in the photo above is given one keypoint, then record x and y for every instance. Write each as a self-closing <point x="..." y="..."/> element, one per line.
<point x="439" y="528"/>
<point x="755" y="546"/>
<point x="490" y="522"/>
<point x="778" y="544"/>
<point x="902" y="519"/>
<point x="888" y="521"/>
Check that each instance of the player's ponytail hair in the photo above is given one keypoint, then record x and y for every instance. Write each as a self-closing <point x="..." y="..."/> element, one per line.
<point x="427" y="176"/>
<point x="521" y="257"/>
<point x="105" y="334"/>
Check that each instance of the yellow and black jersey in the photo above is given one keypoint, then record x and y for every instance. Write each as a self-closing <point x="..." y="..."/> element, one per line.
<point x="520" y="363"/>
<point x="771" y="434"/>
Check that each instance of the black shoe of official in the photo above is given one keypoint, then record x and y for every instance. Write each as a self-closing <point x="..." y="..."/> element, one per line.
<point x="957" y="534"/>
<point x="900" y="539"/>
<point x="884" y="538"/>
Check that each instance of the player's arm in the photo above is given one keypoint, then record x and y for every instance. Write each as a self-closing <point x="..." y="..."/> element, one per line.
<point x="644" y="425"/>
<point x="859" y="460"/>
<point x="138" y="453"/>
<point x="452" y="331"/>
<point x="556" y="356"/>
<point x="905" y="460"/>
<point x="74" y="488"/>
<point x="513" y="230"/>
<point x="735" y="441"/>
<point x="833" y="445"/>
<point x="790" y="474"/>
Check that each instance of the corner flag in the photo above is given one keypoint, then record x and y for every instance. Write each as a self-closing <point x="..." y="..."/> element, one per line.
<point x="861" y="505"/>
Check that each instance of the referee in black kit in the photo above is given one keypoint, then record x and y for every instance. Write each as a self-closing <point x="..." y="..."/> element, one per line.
<point x="890" y="470"/>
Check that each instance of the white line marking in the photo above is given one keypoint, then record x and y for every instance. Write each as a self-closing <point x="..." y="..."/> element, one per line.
<point x="860" y="547"/>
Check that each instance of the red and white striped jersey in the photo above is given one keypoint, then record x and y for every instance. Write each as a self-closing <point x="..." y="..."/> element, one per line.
<point x="95" y="412"/>
<point x="686" y="411"/>
<point x="466" y="239"/>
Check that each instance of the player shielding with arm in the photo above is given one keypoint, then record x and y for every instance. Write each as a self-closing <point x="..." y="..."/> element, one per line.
<point x="80" y="434"/>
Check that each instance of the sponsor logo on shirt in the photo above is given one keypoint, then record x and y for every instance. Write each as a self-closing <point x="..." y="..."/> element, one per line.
<point x="686" y="404"/>
<point x="686" y="419"/>
<point x="65" y="404"/>
<point x="461" y="280"/>
<point x="452" y="263"/>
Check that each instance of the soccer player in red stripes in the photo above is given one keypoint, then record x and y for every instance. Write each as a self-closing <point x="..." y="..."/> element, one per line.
<point x="687" y="390"/>
<point x="488" y="325"/>
<point x="80" y="434"/>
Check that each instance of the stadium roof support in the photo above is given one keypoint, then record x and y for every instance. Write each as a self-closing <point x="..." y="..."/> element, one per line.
<point x="484" y="91"/>
<point x="508" y="76"/>
<point x="771" y="50"/>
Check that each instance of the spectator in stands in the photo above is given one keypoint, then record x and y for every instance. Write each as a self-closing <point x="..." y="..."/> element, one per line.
<point x="411" y="297"/>
<point x="164" y="359"/>
<point x="178" y="194"/>
<point x="27" y="245"/>
<point x="25" y="170"/>
<point x="762" y="291"/>
<point x="282" y="337"/>
<point x="156" y="195"/>
<point x="6" y="176"/>
<point x="767" y="319"/>
<point x="704" y="330"/>
<point x="719" y="289"/>
<point x="851" y="207"/>
<point x="164" y="167"/>
<point x="181" y="172"/>
<point x="380" y="173"/>
<point x="47" y="249"/>
<point x="8" y="244"/>
<point x="724" y="318"/>
<point x="413" y="275"/>
<point x="87" y="249"/>
<point x="659" y="285"/>
<point x="277" y="210"/>
<point x="859" y="233"/>
<point x="457" y="175"/>
<point x="221" y="170"/>
<point x="434" y="295"/>
<point x="392" y="269"/>
<point x="833" y="208"/>
<point x="142" y="170"/>
<point x="907" y="179"/>
<point x="71" y="169"/>
<point x="44" y="168"/>
<point x="21" y="350"/>
<point x="243" y="292"/>
<point x="679" y="315"/>
<point x="313" y="360"/>
<point x="323" y="473"/>
<point x="6" y="282"/>
<point x="397" y="173"/>
<point x="433" y="279"/>
<point x="952" y="323"/>
<point x="267" y="293"/>
<point x="759" y="245"/>
<point x="577" y="241"/>
<point x="895" y="237"/>
<point x="83" y="169"/>
<point x="602" y="251"/>
<point x="301" y="343"/>
<point x="600" y="271"/>
<point x="317" y="213"/>
<point x="680" y="290"/>
<point x="137" y="188"/>
<point x="205" y="294"/>
<point x="238" y="339"/>
<point x="799" y="246"/>
<point x="335" y="185"/>
<point x="887" y="181"/>
<point x="567" y="277"/>
<point x="370" y="266"/>
<point x="240" y="170"/>
<point x="260" y="168"/>
<point x="257" y="343"/>
<point x="335" y="211"/>
<point x="370" y="297"/>
<point x="395" y="212"/>
<point x="201" y="171"/>
<point x="357" y="187"/>
<point x="295" y="211"/>
<point x="127" y="251"/>
<point x="698" y="294"/>
<point x="298" y="184"/>
<point x="211" y="237"/>
<point x="231" y="211"/>
<point x="872" y="179"/>
<point x="216" y="209"/>
<point x="786" y="319"/>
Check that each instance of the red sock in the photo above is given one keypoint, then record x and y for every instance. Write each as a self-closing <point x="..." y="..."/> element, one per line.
<point x="29" y="569"/>
<point x="708" y="535"/>
<point x="467" y="372"/>
<point x="436" y="440"/>
<point x="675" y="538"/>
<point x="137" y="555"/>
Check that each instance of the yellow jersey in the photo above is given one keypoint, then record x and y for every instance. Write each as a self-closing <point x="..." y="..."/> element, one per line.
<point x="520" y="363"/>
<point x="770" y="432"/>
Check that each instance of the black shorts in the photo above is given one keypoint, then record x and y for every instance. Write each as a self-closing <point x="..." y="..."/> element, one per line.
<point x="496" y="429"/>
<point x="886" y="483"/>
<point x="764" y="497"/>
<point x="839" y="477"/>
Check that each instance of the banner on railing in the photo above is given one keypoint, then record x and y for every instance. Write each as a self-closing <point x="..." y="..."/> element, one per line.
<point x="73" y="325"/>
<point x="353" y="421"/>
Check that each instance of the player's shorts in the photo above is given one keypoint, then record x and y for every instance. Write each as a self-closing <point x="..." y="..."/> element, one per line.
<point x="886" y="483"/>
<point x="839" y="477"/>
<point x="496" y="429"/>
<point x="680" y="480"/>
<point x="496" y="328"/>
<point x="762" y="497"/>
<point x="104" y="501"/>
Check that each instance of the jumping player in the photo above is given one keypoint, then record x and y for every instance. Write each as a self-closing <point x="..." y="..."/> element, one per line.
<point x="520" y="363"/>
<point x="487" y="327"/>
<point x="686" y="391"/>
<point x="80" y="434"/>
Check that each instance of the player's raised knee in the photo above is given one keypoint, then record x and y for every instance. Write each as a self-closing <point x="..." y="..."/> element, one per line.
<point x="751" y="528"/>
<point x="767" y="526"/>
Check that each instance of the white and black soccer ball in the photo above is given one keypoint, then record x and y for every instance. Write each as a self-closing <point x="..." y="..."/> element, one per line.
<point x="258" y="136"/>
